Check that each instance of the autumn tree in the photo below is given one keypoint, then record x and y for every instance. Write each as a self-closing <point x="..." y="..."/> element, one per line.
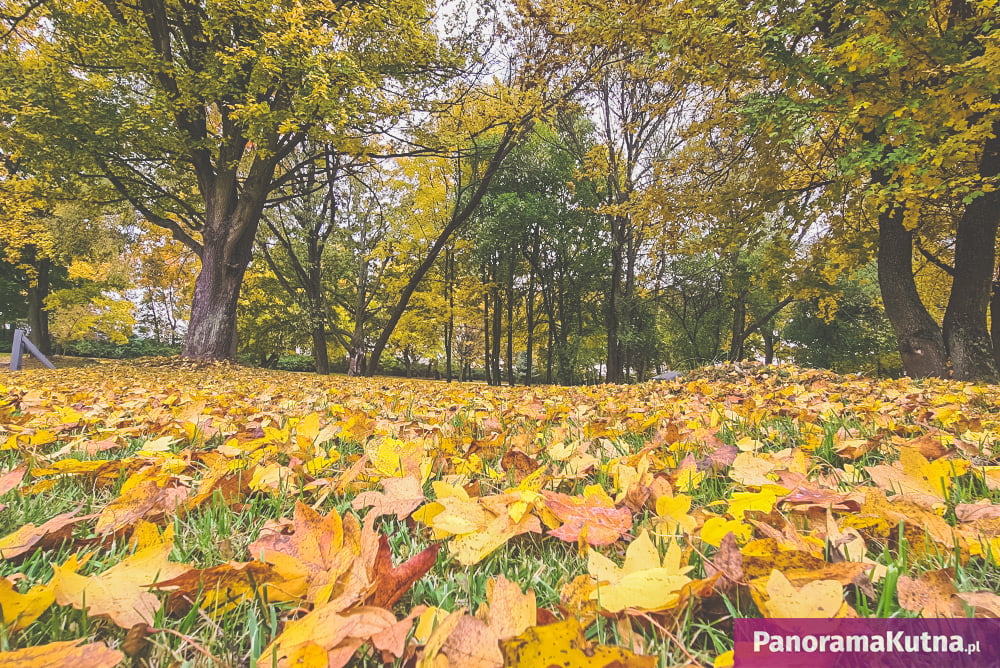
<point x="904" y="97"/>
<point x="188" y="109"/>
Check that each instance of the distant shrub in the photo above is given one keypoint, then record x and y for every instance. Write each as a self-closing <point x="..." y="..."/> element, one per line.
<point x="296" y="363"/>
<point x="135" y="347"/>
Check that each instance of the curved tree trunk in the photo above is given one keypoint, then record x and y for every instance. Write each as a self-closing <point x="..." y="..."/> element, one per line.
<point x="921" y="344"/>
<point x="966" y="333"/>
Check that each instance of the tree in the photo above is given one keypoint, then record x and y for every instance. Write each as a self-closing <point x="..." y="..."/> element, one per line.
<point x="904" y="97"/>
<point x="188" y="109"/>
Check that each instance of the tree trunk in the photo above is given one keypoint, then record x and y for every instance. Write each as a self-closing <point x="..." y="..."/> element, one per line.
<point x="449" y="326"/>
<point x="211" y="332"/>
<point x="921" y="345"/>
<point x="739" y="333"/>
<point x="321" y="356"/>
<point x="38" y="317"/>
<point x="966" y="335"/>
<point x="495" y="336"/>
<point x="529" y="316"/>
<point x="510" y="322"/>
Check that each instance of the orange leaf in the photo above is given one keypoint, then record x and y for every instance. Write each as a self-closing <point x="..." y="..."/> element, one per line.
<point x="591" y="519"/>
<point x="66" y="654"/>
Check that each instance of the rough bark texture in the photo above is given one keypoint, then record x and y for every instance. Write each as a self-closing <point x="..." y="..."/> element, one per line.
<point x="211" y="332"/>
<point x="966" y="333"/>
<point x="921" y="345"/>
<point x="38" y="317"/>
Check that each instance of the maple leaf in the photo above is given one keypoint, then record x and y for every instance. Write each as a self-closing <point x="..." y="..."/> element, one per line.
<point x="401" y="497"/>
<point x="30" y="537"/>
<point x="147" y="500"/>
<point x="329" y="636"/>
<point x="220" y="588"/>
<point x="933" y="594"/>
<point x="65" y="654"/>
<point x="316" y="551"/>
<point x="777" y="597"/>
<point x="508" y="611"/>
<point x="918" y="479"/>
<point x="121" y="593"/>
<point x="644" y="581"/>
<point x="592" y="519"/>
<point x="564" y="644"/>
<point x="392" y="582"/>
<point x="17" y="610"/>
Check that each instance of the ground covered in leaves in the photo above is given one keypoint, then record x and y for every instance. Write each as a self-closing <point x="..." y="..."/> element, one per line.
<point x="165" y="513"/>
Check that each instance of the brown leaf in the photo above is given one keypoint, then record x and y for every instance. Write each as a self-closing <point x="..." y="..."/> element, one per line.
<point x="136" y="643"/>
<point x="518" y="465"/>
<point x="65" y="654"/>
<point x="49" y="534"/>
<point x="473" y="644"/>
<point x="391" y="582"/>
<point x="932" y="594"/>
<point x="729" y="562"/>
<point x="975" y="512"/>
<point x="930" y="445"/>
<point x="983" y="603"/>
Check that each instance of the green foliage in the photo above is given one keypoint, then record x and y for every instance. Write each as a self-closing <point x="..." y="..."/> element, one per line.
<point x="856" y="338"/>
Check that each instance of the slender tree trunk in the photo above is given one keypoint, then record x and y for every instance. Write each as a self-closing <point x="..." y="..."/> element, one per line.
<point x="449" y="326"/>
<point x="966" y="335"/>
<point x="769" y="340"/>
<point x="736" y="343"/>
<point x="495" y="336"/>
<point x="487" y="367"/>
<point x="921" y="345"/>
<point x="510" y="322"/>
<point x="529" y="316"/>
<point x="614" y="297"/>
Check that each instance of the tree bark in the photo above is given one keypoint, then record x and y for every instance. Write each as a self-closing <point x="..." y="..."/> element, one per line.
<point x="38" y="317"/>
<point x="921" y="344"/>
<point x="966" y="334"/>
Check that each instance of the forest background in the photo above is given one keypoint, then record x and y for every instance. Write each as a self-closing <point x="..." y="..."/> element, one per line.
<point x="556" y="191"/>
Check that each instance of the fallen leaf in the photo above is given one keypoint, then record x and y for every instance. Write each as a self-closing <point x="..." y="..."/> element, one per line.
<point x="777" y="597"/>
<point x="508" y="611"/>
<point x="392" y="582"/>
<point x="590" y="520"/>
<point x="49" y="534"/>
<point x="121" y="593"/>
<point x="401" y="497"/>
<point x="328" y="636"/>
<point x="65" y="654"/>
<point x="563" y="644"/>
<point x="17" y="610"/>
<point x="932" y="594"/>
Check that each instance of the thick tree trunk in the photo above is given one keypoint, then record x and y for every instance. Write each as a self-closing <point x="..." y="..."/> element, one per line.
<point x="38" y="317"/>
<point x="321" y="356"/>
<point x="212" y="329"/>
<point x="995" y="318"/>
<point x="921" y="345"/>
<point x="966" y="335"/>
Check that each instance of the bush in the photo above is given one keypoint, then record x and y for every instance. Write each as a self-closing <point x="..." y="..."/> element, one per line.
<point x="136" y="347"/>
<point x="296" y="363"/>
